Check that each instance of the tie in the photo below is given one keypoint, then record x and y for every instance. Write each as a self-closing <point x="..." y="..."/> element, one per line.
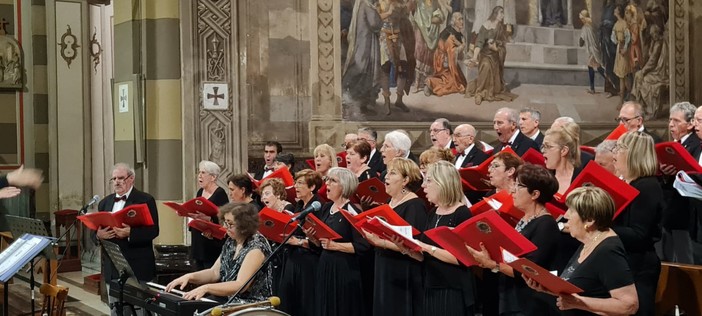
<point x="121" y="198"/>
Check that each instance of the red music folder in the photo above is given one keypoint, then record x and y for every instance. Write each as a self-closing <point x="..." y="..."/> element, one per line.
<point x="476" y="178"/>
<point x="321" y="229"/>
<point x="534" y="156"/>
<point x="322" y="194"/>
<point x="310" y="162"/>
<point x="488" y="228"/>
<point x="374" y="188"/>
<point x="548" y="281"/>
<point x="556" y="209"/>
<point x="282" y="174"/>
<point x="673" y="153"/>
<point x="272" y="223"/>
<point x="290" y="194"/>
<point x="341" y="159"/>
<point x="617" y="132"/>
<point x="593" y="174"/>
<point x="136" y="215"/>
<point x="503" y="203"/>
<point x="216" y="230"/>
<point x="383" y="212"/>
<point x="449" y="241"/>
<point x="388" y="232"/>
<point x="588" y="149"/>
<point x="198" y="204"/>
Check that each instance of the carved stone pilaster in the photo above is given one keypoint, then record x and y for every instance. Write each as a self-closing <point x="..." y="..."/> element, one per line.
<point x="679" y="54"/>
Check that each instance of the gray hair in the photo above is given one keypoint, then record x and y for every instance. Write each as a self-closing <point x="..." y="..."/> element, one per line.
<point x="370" y="131"/>
<point x="687" y="108"/>
<point x="445" y="123"/>
<point x="124" y="166"/>
<point x="606" y="146"/>
<point x="564" y="120"/>
<point x="209" y="167"/>
<point x="535" y="114"/>
<point x="347" y="180"/>
<point x="400" y="141"/>
<point x="512" y="114"/>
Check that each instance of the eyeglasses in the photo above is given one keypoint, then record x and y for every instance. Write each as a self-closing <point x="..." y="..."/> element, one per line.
<point x="548" y="147"/>
<point x="436" y="130"/>
<point x="119" y="179"/>
<point x="625" y="120"/>
<point x="494" y="165"/>
<point x="228" y="225"/>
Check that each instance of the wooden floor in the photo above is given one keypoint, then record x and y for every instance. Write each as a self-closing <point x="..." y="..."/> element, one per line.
<point x="20" y="302"/>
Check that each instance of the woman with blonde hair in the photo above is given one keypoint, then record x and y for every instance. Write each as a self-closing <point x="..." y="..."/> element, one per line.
<point x="433" y="155"/>
<point x="638" y="224"/>
<point x="448" y="285"/>
<point x="561" y="150"/>
<point x="324" y="158"/>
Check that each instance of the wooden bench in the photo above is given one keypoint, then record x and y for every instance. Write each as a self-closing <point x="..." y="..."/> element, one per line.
<point x="679" y="284"/>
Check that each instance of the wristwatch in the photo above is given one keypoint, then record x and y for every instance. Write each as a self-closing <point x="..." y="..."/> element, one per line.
<point x="496" y="269"/>
<point x="433" y="250"/>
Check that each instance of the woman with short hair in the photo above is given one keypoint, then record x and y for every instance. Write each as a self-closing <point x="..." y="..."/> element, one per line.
<point x="324" y="159"/>
<point x="357" y="156"/>
<point x="242" y="254"/>
<point x="204" y="249"/>
<point x="241" y="189"/>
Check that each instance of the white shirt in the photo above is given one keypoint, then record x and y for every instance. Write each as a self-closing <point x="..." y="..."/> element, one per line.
<point x="119" y="205"/>
<point x="461" y="158"/>
<point x="266" y="172"/>
<point x="533" y="137"/>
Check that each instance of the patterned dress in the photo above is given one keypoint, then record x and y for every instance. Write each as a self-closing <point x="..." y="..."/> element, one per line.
<point x="260" y="288"/>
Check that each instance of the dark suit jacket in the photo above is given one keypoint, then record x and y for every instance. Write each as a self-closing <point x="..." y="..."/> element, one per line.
<point x="138" y="248"/>
<point x="376" y="163"/>
<point x="676" y="215"/>
<point x="520" y="145"/>
<point x="693" y="146"/>
<point x="539" y="139"/>
<point x="656" y="139"/>
<point x="474" y="157"/>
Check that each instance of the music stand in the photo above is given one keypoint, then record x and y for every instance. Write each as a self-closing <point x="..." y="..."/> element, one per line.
<point x="25" y="225"/>
<point x="126" y="274"/>
<point x="22" y="250"/>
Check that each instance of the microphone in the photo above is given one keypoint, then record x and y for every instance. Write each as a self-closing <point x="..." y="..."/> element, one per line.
<point x="92" y="201"/>
<point x="221" y="310"/>
<point x="315" y="206"/>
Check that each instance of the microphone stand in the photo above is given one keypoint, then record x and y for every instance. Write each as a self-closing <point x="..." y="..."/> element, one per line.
<point x="269" y="258"/>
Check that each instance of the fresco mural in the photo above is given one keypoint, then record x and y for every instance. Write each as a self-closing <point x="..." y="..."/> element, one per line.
<point x="416" y="60"/>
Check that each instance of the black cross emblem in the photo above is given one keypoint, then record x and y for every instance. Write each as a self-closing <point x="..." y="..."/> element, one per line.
<point x="123" y="98"/>
<point x="215" y="96"/>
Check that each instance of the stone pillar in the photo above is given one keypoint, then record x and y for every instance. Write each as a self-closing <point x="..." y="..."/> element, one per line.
<point x="148" y="132"/>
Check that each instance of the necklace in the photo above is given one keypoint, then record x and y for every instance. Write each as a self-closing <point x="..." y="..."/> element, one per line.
<point x="523" y="222"/>
<point x="438" y="218"/>
<point x="593" y="242"/>
<point x="394" y="204"/>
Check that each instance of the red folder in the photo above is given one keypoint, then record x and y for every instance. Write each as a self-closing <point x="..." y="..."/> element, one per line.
<point x="198" y="204"/>
<point x="673" y="153"/>
<point x="310" y="162"/>
<point x="136" y="215"/>
<point x="617" y="132"/>
<point x="321" y="229"/>
<point x="381" y="228"/>
<point x="282" y="174"/>
<point x="507" y="210"/>
<point x="216" y="230"/>
<point x="322" y="194"/>
<point x="341" y="159"/>
<point x="535" y="157"/>
<point x="476" y="178"/>
<point x="272" y="223"/>
<point x="488" y="228"/>
<point x="556" y="209"/>
<point x="384" y="212"/>
<point x="588" y="149"/>
<point x="374" y="188"/>
<point x="449" y="241"/>
<point x="290" y="194"/>
<point x="593" y="174"/>
<point x="550" y="282"/>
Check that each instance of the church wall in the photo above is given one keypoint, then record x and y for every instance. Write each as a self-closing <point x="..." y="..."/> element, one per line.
<point x="696" y="51"/>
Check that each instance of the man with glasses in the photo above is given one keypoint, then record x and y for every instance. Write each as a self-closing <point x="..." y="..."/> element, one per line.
<point x="468" y="150"/>
<point x="505" y="125"/>
<point x="631" y="115"/>
<point x="375" y="162"/>
<point x="136" y="243"/>
<point x="440" y="133"/>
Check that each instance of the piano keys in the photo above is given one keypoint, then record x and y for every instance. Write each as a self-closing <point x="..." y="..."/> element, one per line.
<point x="153" y="298"/>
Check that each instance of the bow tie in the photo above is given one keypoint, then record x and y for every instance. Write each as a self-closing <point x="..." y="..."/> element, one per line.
<point x="266" y="169"/>
<point x="121" y="198"/>
<point x="463" y="154"/>
<point x="507" y="144"/>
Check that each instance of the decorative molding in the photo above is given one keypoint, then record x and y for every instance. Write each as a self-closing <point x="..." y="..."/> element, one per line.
<point x="95" y="50"/>
<point x="11" y="63"/>
<point x="69" y="46"/>
<point x="325" y="50"/>
<point x="679" y="43"/>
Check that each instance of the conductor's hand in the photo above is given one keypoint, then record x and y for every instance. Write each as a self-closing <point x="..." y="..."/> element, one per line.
<point x="123" y="232"/>
<point x="25" y="177"/>
<point x="197" y="293"/>
<point x="180" y="283"/>
<point x="8" y="192"/>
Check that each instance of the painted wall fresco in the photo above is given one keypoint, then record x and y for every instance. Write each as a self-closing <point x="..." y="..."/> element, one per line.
<point x="416" y="60"/>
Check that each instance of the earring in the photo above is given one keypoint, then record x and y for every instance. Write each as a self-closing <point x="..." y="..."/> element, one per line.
<point x="586" y="227"/>
<point x="404" y="190"/>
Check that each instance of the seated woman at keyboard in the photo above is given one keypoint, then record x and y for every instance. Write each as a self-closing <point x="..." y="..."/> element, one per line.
<point x="242" y="254"/>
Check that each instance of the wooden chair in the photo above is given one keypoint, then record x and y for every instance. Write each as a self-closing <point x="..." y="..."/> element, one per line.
<point x="54" y="299"/>
<point x="679" y="284"/>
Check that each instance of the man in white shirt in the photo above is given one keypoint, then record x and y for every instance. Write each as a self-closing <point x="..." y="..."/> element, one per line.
<point x="529" y="124"/>
<point x="468" y="151"/>
<point x="375" y="160"/>
<point x="508" y="135"/>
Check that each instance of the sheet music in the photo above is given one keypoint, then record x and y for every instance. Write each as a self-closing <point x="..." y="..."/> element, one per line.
<point x="508" y="257"/>
<point x="686" y="186"/>
<point x="19" y="253"/>
<point x="495" y="204"/>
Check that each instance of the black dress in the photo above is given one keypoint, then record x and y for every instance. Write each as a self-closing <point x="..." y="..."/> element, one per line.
<point x="398" y="278"/>
<point x="605" y="269"/>
<point x="365" y="175"/>
<point x="638" y="227"/>
<point x="338" y="280"/>
<point x="448" y="289"/>
<point x="204" y="251"/>
<point x="279" y="259"/>
<point x="515" y="295"/>
<point x="297" y="286"/>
